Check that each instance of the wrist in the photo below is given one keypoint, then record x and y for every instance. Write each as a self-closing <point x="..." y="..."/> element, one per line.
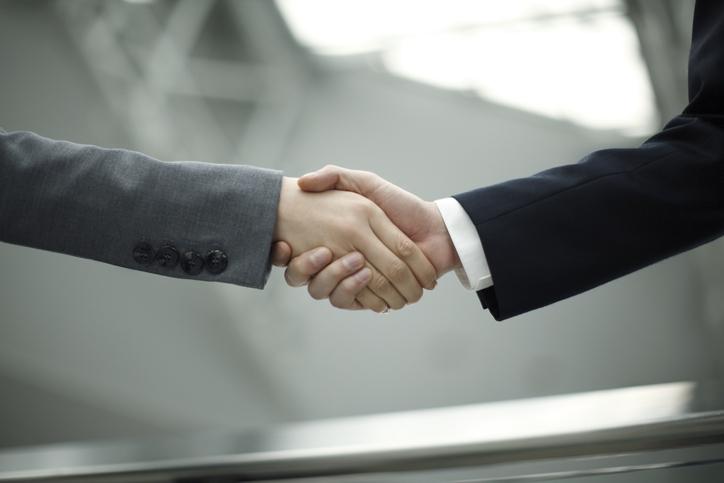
<point x="441" y="251"/>
<point x="286" y="200"/>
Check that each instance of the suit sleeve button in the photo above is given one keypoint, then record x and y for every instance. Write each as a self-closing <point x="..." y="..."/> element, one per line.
<point x="216" y="262"/>
<point x="167" y="256"/>
<point x="192" y="262"/>
<point x="143" y="253"/>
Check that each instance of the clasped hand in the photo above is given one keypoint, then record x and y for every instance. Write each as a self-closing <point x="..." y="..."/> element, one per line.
<point x="359" y="241"/>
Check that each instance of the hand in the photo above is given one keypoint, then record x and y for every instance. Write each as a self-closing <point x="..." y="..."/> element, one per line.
<point x="418" y="219"/>
<point x="340" y="281"/>
<point x="344" y="223"/>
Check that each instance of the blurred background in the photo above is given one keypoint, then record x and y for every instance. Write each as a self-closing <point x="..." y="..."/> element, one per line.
<point x="438" y="96"/>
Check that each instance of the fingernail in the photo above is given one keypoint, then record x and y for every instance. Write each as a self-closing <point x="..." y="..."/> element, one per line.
<point x="363" y="276"/>
<point x="319" y="256"/>
<point x="353" y="261"/>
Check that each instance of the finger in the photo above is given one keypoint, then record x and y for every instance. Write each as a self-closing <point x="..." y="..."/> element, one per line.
<point x="281" y="254"/>
<point x="356" y="306"/>
<point x="394" y="271"/>
<point x="322" y="285"/>
<point x="382" y="288"/>
<point x="306" y="265"/>
<point x="407" y="251"/>
<point x="334" y="177"/>
<point x="344" y="295"/>
<point x="370" y="301"/>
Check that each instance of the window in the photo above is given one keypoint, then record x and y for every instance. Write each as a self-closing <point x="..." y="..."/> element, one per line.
<point x="569" y="59"/>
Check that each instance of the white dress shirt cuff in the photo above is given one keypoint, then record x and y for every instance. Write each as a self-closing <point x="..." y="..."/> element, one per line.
<point x="474" y="274"/>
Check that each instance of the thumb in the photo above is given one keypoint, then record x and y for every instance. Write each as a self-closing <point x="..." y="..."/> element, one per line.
<point x="281" y="254"/>
<point x="334" y="177"/>
<point x="321" y="180"/>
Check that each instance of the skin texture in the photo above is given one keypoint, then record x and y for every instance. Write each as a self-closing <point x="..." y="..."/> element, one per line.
<point x="390" y="270"/>
<point x="420" y="220"/>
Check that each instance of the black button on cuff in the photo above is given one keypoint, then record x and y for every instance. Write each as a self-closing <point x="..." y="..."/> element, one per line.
<point x="216" y="262"/>
<point x="192" y="262"/>
<point x="143" y="253"/>
<point x="167" y="256"/>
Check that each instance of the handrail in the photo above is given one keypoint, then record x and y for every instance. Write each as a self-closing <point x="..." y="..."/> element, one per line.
<point x="588" y="424"/>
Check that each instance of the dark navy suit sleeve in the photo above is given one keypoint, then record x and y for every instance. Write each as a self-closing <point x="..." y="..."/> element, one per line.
<point x="572" y="228"/>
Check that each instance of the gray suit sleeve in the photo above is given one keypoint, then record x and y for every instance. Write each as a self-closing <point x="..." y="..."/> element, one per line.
<point x="126" y="209"/>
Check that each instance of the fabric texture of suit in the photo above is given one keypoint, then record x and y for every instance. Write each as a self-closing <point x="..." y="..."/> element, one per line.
<point x="572" y="228"/>
<point x="102" y="204"/>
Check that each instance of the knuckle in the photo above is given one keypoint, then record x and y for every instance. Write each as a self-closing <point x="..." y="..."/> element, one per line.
<point x="289" y="278"/>
<point x="380" y="283"/>
<point x="364" y="206"/>
<point x="397" y="271"/>
<point x="396" y="304"/>
<point x="297" y="267"/>
<point x="338" y="303"/>
<point x="415" y="296"/>
<point x="374" y="210"/>
<point x="371" y="179"/>
<point x="336" y="273"/>
<point x="406" y="247"/>
<point x="376" y="306"/>
<point x="350" y="285"/>
<point x="431" y="278"/>
<point x="306" y="267"/>
<point x="315" y="292"/>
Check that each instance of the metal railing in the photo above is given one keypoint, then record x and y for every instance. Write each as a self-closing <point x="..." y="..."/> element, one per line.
<point x="595" y="424"/>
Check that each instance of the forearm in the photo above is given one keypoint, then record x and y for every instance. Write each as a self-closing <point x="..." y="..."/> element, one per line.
<point x="101" y="204"/>
<point x="569" y="229"/>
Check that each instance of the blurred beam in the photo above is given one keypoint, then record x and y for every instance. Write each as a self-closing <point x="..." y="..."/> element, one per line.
<point x="291" y="71"/>
<point x="664" y="31"/>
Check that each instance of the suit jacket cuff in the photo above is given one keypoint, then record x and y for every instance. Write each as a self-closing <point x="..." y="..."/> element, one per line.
<point x="120" y="207"/>
<point x="474" y="274"/>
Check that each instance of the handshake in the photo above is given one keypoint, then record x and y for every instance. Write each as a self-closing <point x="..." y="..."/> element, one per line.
<point x="359" y="241"/>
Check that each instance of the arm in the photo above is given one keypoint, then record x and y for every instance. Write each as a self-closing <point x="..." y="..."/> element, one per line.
<point x="112" y="205"/>
<point x="604" y="226"/>
<point x="572" y="228"/>
<point x="192" y="220"/>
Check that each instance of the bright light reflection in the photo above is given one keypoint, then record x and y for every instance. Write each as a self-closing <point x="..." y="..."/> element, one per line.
<point x="530" y="54"/>
<point x="494" y="422"/>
